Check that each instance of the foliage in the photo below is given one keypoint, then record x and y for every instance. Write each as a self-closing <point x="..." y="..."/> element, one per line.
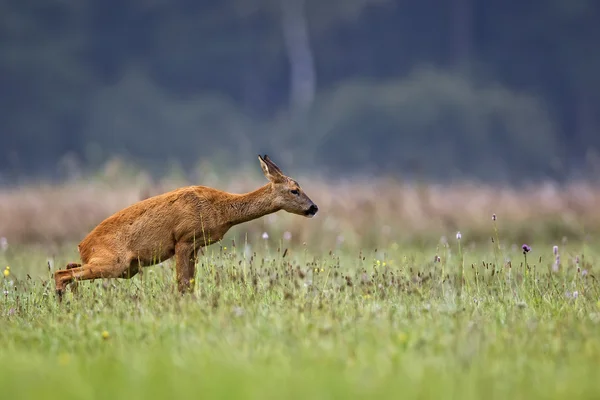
<point x="509" y="89"/>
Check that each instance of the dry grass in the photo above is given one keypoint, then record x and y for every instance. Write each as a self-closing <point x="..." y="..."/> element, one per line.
<point x="353" y="212"/>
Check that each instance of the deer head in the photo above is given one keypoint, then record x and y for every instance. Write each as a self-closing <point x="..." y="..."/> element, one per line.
<point x="288" y="195"/>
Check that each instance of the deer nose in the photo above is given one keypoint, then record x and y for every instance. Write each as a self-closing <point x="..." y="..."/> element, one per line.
<point x="313" y="209"/>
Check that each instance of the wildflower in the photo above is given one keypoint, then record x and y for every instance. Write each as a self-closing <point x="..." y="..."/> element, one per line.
<point x="64" y="359"/>
<point x="265" y="235"/>
<point x="224" y="248"/>
<point x="556" y="263"/>
<point x="238" y="311"/>
<point x="458" y="236"/>
<point x="192" y="281"/>
<point x="572" y="295"/>
<point x="555" y="250"/>
<point x="526" y="249"/>
<point x="322" y="270"/>
<point x="584" y="272"/>
<point x="437" y="259"/>
<point x="105" y="335"/>
<point x="6" y="271"/>
<point x="493" y="217"/>
<point x="402" y="338"/>
<point x="287" y="235"/>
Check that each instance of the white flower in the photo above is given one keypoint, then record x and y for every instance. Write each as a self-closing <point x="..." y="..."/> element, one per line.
<point x="575" y="294"/>
<point x="287" y="235"/>
<point x="458" y="236"/>
<point x="265" y="235"/>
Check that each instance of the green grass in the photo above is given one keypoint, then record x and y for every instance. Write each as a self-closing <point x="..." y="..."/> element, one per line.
<point x="309" y="325"/>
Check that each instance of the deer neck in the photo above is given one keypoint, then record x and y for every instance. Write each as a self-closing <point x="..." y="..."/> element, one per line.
<point x="248" y="206"/>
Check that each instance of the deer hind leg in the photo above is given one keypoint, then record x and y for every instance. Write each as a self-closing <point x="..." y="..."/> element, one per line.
<point x="185" y="266"/>
<point x="92" y="270"/>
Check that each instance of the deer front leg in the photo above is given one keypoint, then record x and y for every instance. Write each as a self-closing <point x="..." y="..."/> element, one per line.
<point x="185" y="266"/>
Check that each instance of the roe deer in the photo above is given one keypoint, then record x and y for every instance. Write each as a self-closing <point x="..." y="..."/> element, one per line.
<point x="178" y="223"/>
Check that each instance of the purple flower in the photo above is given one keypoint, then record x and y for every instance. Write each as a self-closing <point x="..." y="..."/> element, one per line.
<point x="526" y="249"/>
<point x="493" y="217"/>
<point x="555" y="250"/>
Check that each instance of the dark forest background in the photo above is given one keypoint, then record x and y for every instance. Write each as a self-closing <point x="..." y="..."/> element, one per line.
<point x="501" y="90"/>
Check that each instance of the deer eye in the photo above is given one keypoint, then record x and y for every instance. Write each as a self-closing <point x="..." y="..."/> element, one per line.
<point x="294" y="191"/>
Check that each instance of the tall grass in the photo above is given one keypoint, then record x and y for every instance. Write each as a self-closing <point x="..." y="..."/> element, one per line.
<point x="268" y="323"/>
<point x="355" y="213"/>
<point x="377" y="297"/>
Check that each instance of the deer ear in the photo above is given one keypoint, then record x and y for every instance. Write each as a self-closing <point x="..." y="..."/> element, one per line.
<point x="270" y="170"/>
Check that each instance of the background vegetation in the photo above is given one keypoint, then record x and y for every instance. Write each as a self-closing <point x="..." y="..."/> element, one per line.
<point x="496" y="90"/>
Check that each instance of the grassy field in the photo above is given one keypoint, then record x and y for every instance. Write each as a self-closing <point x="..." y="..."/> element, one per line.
<point x="273" y="319"/>
<point x="374" y="298"/>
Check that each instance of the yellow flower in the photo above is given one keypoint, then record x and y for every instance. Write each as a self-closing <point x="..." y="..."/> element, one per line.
<point x="192" y="281"/>
<point x="7" y="272"/>
<point x="224" y="247"/>
<point x="64" y="359"/>
<point x="322" y="270"/>
<point x="384" y="264"/>
<point x="105" y="335"/>
<point x="402" y="337"/>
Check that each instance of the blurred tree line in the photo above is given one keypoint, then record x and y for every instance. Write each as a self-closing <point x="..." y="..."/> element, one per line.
<point x="495" y="89"/>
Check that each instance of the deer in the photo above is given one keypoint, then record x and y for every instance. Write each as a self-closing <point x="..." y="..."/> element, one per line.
<point x="178" y="223"/>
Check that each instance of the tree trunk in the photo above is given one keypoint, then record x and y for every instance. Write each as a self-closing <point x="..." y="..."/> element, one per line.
<point x="462" y="11"/>
<point x="297" y="43"/>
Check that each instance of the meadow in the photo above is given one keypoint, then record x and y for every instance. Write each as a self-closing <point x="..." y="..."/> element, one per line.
<point x="379" y="296"/>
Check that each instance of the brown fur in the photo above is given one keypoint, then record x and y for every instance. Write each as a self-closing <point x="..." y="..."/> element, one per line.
<point x="178" y="223"/>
